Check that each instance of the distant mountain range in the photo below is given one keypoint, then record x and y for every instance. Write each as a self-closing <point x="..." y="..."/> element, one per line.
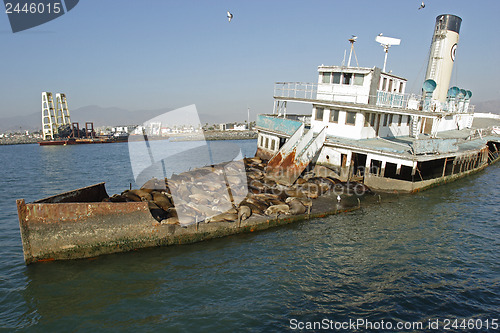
<point x="488" y="106"/>
<point x="100" y="116"/>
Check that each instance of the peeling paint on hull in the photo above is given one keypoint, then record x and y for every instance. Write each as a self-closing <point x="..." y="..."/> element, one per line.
<point x="59" y="231"/>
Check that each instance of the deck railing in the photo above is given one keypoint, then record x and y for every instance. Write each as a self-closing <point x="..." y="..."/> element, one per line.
<point x="296" y="90"/>
<point x="309" y="91"/>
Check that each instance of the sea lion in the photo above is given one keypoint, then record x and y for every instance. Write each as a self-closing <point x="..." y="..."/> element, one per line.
<point x="266" y="196"/>
<point x="244" y="212"/>
<point x="170" y="220"/>
<point x="255" y="210"/>
<point x="311" y="190"/>
<point x="172" y="212"/>
<point x="232" y="210"/>
<point x="143" y="195"/>
<point x="199" y="198"/>
<point x="117" y="198"/>
<point x="294" y="192"/>
<point x="197" y="190"/>
<point x="304" y="201"/>
<point x="234" y="180"/>
<point x="277" y="209"/>
<point x="157" y="213"/>
<point x="224" y="217"/>
<point x="275" y="202"/>
<point x="153" y="184"/>
<point x="131" y="196"/>
<point x="296" y="207"/>
<point x="255" y="184"/>
<point x="262" y="205"/>
<point x="161" y="200"/>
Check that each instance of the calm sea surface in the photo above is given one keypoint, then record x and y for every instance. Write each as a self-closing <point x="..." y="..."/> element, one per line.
<point x="430" y="256"/>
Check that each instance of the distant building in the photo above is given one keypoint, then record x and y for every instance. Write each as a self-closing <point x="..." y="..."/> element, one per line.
<point x="233" y="127"/>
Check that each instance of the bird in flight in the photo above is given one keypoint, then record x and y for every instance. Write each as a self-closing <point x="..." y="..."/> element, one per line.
<point x="421" y="6"/>
<point x="229" y="16"/>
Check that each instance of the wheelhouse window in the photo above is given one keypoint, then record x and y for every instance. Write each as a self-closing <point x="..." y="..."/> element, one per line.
<point x="326" y="77"/>
<point x="347" y="78"/>
<point x="358" y="79"/>
<point x="390" y="85"/>
<point x="336" y="78"/>
<point x="319" y="114"/>
<point x="384" y="83"/>
<point x="385" y="119"/>
<point x="334" y="116"/>
<point x="350" y="118"/>
<point x="401" y="87"/>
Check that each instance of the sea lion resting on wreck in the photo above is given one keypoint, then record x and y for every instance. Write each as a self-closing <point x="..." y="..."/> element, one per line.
<point x="200" y="195"/>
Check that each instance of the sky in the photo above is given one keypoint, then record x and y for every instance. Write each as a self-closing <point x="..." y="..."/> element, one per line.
<point x="156" y="54"/>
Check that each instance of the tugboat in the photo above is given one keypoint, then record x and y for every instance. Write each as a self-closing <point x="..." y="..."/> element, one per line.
<point x="365" y="127"/>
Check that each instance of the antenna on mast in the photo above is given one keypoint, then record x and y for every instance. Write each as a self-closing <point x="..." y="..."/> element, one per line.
<point x="386" y="43"/>
<point x="352" y="40"/>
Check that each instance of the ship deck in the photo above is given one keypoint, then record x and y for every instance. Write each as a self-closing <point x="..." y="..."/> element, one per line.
<point x="447" y="144"/>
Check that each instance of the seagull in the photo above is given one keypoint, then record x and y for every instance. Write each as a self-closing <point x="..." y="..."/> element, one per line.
<point x="421" y="6"/>
<point x="229" y="16"/>
<point x="338" y="198"/>
<point x="380" y="34"/>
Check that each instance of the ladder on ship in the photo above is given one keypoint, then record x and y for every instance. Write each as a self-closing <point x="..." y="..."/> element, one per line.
<point x="295" y="155"/>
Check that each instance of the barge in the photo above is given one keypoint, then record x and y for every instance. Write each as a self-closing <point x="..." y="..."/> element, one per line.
<point x="364" y="134"/>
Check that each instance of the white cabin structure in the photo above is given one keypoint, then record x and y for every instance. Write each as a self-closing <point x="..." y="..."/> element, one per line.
<point x="364" y="126"/>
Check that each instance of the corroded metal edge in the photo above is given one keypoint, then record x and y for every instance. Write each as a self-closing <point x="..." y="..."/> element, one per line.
<point x="71" y="231"/>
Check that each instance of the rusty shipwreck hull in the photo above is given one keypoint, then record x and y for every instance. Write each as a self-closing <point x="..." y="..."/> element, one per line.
<point x="61" y="227"/>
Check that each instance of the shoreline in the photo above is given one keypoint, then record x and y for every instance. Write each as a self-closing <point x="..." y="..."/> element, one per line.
<point x="209" y="136"/>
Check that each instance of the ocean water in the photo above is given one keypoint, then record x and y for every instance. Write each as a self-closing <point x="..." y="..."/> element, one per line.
<point x="432" y="257"/>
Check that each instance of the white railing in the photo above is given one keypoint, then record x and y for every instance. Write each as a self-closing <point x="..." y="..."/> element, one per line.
<point x="394" y="100"/>
<point x="295" y="90"/>
<point x="309" y="91"/>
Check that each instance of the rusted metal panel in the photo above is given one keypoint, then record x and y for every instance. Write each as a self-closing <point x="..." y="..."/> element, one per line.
<point x="63" y="230"/>
<point x="293" y="163"/>
<point x="93" y="193"/>
<point x="82" y="230"/>
<point x="286" y="149"/>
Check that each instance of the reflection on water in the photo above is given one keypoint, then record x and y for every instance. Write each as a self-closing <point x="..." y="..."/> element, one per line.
<point x="430" y="255"/>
